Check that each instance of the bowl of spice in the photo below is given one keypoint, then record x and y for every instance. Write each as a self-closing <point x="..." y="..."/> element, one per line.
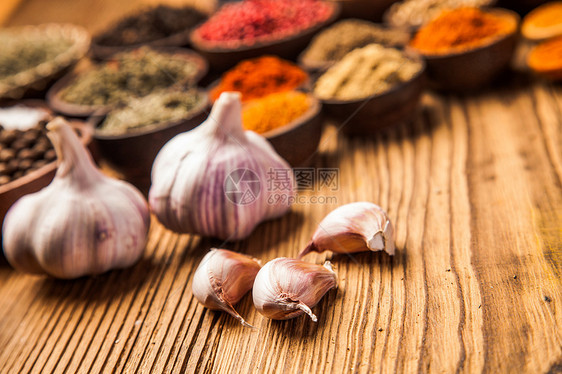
<point x="543" y="22"/>
<point x="412" y="14"/>
<point x="156" y="26"/>
<point x="372" y="88"/>
<point x="466" y="48"/>
<point x="251" y="28"/>
<point x="129" y="137"/>
<point x="134" y="73"/>
<point x="545" y="59"/>
<point x="332" y="44"/>
<point x="27" y="158"/>
<point x="259" y="77"/>
<point x="34" y="56"/>
<point x="290" y="120"/>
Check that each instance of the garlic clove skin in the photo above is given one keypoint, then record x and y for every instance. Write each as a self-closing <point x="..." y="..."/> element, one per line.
<point x="355" y="227"/>
<point x="83" y="223"/>
<point x="195" y="173"/>
<point x="286" y="288"/>
<point x="222" y="278"/>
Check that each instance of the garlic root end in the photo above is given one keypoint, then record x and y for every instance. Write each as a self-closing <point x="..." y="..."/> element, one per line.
<point x="307" y="310"/>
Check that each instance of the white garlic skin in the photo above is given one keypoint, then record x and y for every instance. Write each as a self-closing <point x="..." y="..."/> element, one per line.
<point x="222" y="278"/>
<point x="286" y="288"/>
<point x="351" y="228"/>
<point x="189" y="173"/>
<point x="83" y="223"/>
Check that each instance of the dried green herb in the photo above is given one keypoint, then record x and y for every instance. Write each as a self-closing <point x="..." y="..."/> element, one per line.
<point x="152" y="110"/>
<point x="135" y="73"/>
<point x="20" y="52"/>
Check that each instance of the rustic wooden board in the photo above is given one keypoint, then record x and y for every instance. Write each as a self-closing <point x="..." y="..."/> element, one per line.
<point x="474" y="188"/>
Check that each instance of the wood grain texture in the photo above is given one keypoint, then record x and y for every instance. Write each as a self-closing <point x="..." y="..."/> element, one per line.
<point x="474" y="188"/>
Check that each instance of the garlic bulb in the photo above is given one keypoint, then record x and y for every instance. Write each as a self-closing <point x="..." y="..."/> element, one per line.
<point x="217" y="179"/>
<point x="222" y="278"/>
<point x="286" y="288"/>
<point x="355" y="227"/>
<point x="82" y="223"/>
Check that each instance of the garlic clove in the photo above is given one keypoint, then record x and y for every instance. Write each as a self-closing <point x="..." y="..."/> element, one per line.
<point x="222" y="278"/>
<point x="214" y="180"/>
<point x="286" y="288"/>
<point x="82" y="223"/>
<point x="355" y="227"/>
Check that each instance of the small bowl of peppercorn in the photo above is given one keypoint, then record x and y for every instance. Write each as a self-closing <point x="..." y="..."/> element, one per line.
<point x="27" y="157"/>
<point x="248" y="29"/>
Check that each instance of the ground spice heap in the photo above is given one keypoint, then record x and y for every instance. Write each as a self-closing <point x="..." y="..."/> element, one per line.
<point x="411" y="14"/>
<point x="364" y="72"/>
<point x="338" y="40"/>
<point x="460" y="29"/>
<point x="546" y="58"/>
<point x="543" y="22"/>
<point x="252" y="20"/>
<point x="152" y="110"/>
<point x="150" y="24"/>
<point x="259" y="77"/>
<point x="134" y="73"/>
<point x="274" y="111"/>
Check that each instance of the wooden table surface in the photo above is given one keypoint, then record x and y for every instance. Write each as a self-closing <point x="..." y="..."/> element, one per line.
<point x="474" y="188"/>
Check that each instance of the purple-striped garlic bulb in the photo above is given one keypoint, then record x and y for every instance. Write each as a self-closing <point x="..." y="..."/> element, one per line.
<point x="82" y="223"/>
<point x="218" y="180"/>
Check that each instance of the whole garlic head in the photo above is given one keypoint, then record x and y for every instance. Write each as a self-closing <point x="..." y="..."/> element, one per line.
<point x="214" y="179"/>
<point x="286" y="288"/>
<point x="82" y="223"/>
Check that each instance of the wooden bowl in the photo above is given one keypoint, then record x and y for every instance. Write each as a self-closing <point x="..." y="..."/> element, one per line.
<point x="37" y="78"/>
<point x="476" y="67"/>
<point x="223" y="56"/>
<point x="298" y="141"/>
<point x="366" y="117"/>
<point x="133" y="153"/>
<point x="364" y="9"/>
<point x="56" y="102"/>
<point x="37" y="179"/>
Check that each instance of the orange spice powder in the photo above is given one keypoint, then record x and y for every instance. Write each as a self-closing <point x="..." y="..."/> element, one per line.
<point x="460" y="29"/>
<point x="546" y="58"/>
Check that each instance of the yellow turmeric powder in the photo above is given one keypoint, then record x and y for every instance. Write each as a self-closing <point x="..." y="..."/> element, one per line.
<point x="274" y="110"/>
<point x="543" y="22"/>
<point x="460" y="29"/>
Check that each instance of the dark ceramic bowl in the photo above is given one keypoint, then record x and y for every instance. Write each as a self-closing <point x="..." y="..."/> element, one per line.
<point x="37" y="79"/>
<point x="56" y="102"/>
<point x="133" y="153"/>
<point x="224" y="56"/>
<point x="37" y="179"/>
<point x="364" y="9"/>
<point x="366" y="117"/>
<point x="476" y="67"/>
<point x="298" y="141"/>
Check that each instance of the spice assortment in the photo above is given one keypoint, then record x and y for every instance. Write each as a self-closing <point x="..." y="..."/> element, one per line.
<point x="150" y="24"/>
<point x="460" y="30"/>
<point x="156" y="109"/>
<point x="332" y="44"/>
<point x="250" y="21"/>
<point x="364" y="72"/>
<point x="411" y="14"/>
<point x="259" y="77"/>
<point x="274" y="111"/>
<point x="134" y="73"/>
